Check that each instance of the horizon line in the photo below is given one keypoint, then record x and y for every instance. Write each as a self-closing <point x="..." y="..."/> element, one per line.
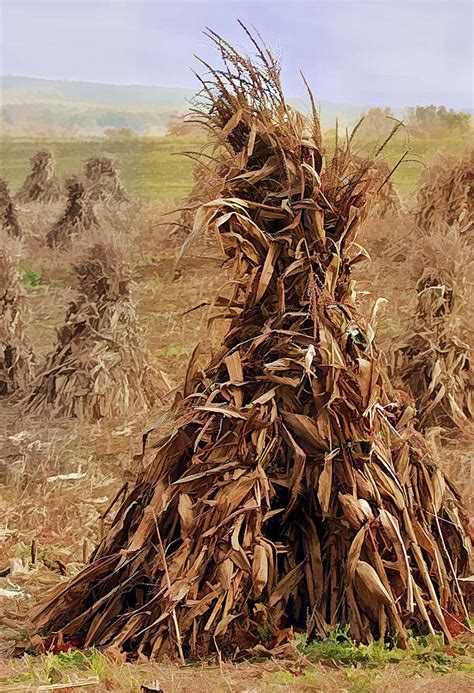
<point x="465" y="108"/>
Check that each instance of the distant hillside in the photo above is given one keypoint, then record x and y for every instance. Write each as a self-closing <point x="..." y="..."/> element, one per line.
<point x="30" y="106"/>
<point x="46" y="107"/>
<point x="34" y="90"/>
<point x="42" y="107"/>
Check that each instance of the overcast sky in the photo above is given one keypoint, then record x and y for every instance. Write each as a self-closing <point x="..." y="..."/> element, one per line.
<point x="395" y="52"/>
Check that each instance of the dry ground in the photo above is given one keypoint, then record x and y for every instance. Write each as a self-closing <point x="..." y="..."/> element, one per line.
<point x="49" y="525"/>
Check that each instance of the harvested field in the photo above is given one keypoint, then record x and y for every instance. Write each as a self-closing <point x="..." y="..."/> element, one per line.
<point x="61" y="475"/>
<point x="151" y="168"/>
<point x="58" y="514"/>
<point x="217" y="593"/>
<point x="89" y="463"/>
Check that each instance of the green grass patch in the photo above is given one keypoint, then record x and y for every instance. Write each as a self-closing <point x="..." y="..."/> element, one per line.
<point x="151" y="168"/>
<point x="357" y="668"/>
<point x="422" y="151"/>
<point x="407" y="175"/>
<point x="176" y="350"/>
<point x="154" y="168"/>
<point x="30" y="279"/>
<point x="71" y="667"/>
<point x="425" y="650"/>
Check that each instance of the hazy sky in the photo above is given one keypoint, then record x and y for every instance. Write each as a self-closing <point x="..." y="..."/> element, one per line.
<point x="395" y="52"/>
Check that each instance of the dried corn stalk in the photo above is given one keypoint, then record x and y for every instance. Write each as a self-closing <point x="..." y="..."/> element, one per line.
<point x="434" y="359"/>
<point x="457" y="458"/>
<point x="293" y="490"/>
<point x="98" y="367"/>
<point x="78" y="217"/>
<point x="16" y="356"/>
<point x="42" y="184"/>
<point x="103" y="180"/>
<point x="446" y="196"/>
<point x="387" y="202"/>
<point x="8" y="214"/>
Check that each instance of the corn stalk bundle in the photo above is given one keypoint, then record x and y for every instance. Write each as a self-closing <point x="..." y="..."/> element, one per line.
<point x="434" y="360"/>
<point x="98" y="368"/>
<point x="446" y="196"/>
<point x="42" y="184"/>
<point x="103" y="180"/>
<point x="387" y="202"/>
<point x="77" y="218"/>
<point x="16" y="356"/>
<point x="8" y="214"/>
<point x="293" y="490"/>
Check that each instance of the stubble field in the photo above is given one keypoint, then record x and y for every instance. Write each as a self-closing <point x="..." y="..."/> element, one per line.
<point x="58" y="477"/>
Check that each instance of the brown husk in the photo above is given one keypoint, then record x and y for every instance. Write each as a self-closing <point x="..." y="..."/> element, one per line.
<point x="98" y="368"/>
<point x="293" y="491"/>
<point x="16" y="355"/>
<point x="42" y="184"/>
<point x="77" y="218"/>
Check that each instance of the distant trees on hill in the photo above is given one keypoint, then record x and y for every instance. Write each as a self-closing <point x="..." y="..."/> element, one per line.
<point x="422" y="119"/>
<point x="179" y="125"/>
<point x="63" y="119"/>
<point x="120" y="133"/>
<point x="430" y="118"/>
